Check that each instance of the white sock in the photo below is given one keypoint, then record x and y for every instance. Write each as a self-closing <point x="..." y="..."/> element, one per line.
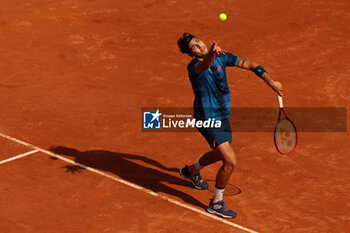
<point x="197" y="167"/>
<point x="218" y="194"/>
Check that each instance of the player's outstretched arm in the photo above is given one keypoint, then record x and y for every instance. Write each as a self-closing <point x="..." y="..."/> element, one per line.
<point x="260" y="72"/>
<point x="208" y="60"/>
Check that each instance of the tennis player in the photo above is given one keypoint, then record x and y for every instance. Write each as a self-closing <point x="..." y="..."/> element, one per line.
<point x="207" y="73"/>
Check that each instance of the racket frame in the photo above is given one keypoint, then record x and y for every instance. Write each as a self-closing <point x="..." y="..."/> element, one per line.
<point x="281" y="110"/>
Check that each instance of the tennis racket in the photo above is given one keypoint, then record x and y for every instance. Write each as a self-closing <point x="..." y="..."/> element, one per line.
<point x="285" y="136"/>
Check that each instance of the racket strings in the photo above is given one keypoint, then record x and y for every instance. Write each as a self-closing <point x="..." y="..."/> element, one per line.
<point x="285" y="137"/>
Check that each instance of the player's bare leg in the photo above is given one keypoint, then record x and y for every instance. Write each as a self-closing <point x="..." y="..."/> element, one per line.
<point x="206" y="159"/>
<point x="217" y="205"/>
<point x="228" y="157"/>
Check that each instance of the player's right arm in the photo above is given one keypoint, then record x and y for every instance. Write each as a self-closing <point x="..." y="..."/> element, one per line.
<point x="250" y="65"/>
<point x="208" y="60"/>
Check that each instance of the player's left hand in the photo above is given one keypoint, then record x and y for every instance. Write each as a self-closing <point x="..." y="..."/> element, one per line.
<point x="216" y="48"/>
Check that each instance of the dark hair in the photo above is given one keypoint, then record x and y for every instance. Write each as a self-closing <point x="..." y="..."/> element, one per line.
<point x="184" y="41"/>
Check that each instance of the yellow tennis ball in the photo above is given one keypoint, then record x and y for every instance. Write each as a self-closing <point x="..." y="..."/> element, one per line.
<point x="223" y="16"/>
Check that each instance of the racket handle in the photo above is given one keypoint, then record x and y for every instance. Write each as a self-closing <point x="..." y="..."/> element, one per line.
<point x="280" y="101"/>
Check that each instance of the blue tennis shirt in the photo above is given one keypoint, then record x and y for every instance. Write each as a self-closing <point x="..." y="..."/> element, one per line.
<point x="212" y="94"/>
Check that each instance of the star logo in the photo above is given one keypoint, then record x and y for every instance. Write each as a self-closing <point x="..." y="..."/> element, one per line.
<point x="151" y="120"/>
<point x="156" y="115"/>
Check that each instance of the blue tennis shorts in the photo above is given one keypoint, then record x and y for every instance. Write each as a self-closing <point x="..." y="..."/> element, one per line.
<point x="217" y="136"/>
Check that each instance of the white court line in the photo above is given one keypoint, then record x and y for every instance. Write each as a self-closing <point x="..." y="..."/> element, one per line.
<point x="18" y="156"/>
<point x="129" y="184"/>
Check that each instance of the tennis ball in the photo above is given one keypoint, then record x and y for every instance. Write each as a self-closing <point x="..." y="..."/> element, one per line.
<point x="223" y="16"/>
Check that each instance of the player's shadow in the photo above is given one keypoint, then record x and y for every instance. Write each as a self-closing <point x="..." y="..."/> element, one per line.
<point x="123" y="165"/>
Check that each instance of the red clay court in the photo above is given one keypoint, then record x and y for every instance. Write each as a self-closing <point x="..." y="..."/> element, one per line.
<point x="75" y="74"/>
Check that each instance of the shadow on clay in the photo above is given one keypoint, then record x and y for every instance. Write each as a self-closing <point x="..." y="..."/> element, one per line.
<point x="123" y="166"/>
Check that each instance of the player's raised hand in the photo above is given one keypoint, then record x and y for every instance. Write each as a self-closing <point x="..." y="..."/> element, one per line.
<point x="215" y="48"/>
